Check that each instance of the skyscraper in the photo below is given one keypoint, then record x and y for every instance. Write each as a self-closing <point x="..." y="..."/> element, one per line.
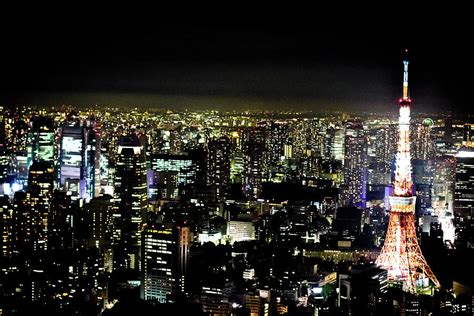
<point x="38" y="196"/>
<point x="92" y="161"/>
<point x="71" y="160"/>
<point x="218" y="165"/>
<point x="130" y="201"/>
<point x="41" y="142"/>
<point x="62" y="219"/>
<point x="6" y="227"/>
<point x="423" y="141"/>
<point x="464" y="197"/>
<point x="355" y="165"/>
<point x="254" y="157"/>
<point x="464" y="186"/>
<point x="158" y="259"/>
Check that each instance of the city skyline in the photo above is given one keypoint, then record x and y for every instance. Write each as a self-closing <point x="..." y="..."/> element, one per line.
<point x="249" y="169"/>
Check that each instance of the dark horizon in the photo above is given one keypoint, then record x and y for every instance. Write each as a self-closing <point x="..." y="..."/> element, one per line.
<point x="309" y="66"/>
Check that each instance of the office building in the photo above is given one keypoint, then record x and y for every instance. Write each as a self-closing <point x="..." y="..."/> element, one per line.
<point x="130" y="204"/>
<point x="218" y="165"/>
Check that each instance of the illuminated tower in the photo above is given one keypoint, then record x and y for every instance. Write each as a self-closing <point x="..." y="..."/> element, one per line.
<point x="401" y="255"/>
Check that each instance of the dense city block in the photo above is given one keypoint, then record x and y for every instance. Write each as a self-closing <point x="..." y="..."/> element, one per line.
<point x="109" y="210"/>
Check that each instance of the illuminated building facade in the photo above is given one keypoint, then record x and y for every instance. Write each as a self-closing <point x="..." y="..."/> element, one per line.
<point x="181" y="164"/>
<point x="277" y="144"/>
<point x="254" y="157"/>
<point x="92" y="162"/>
<point x="38" y="196"/>
<point x="218" y="165"/>
<point x="423" y="140"/>
<point x="41" y="141"/>
<point x="130" y="201"/>
<point x="61" y="220"/>
<point x="401" y="255"/>
<point x="6" y="227"/>
<point x="355" y="165"/>
<point x="5" y="164"/>
<point x="385" y="151"/>
<point x="240" y="230"/>
<point x="72" y="156"/>
<point x="464" y="197"/>
<point x="158" y="259"/>
<point x="464" y="186"/>
<point x="337" y="143"/>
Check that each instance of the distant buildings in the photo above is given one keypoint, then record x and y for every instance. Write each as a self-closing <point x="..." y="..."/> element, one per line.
<point x="354" y="191"/>
<point x="244" y="213"/>
<point x="218" y="165"/>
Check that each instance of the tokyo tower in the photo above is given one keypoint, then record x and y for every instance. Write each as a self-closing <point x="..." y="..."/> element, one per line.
<point x="401" y="255"/>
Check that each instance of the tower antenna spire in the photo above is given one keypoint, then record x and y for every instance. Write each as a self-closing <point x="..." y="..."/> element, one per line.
<point x="405" y="74"/>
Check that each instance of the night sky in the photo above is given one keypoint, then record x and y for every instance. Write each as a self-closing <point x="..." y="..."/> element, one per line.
<point x="314" y="64"/>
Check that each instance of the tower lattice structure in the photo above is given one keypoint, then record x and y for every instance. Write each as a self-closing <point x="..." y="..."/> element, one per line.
<point x="401" y="254"/>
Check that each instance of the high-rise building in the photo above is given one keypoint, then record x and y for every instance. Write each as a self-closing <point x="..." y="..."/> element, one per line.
<point x="276" y="142"/>
<point x="61" y="222"/>
<point x="101" y="228"/>
<point x="218" y="165"/>
<point x="6" y="227"/>
<point x="464" y="185"/>
<point x="363" y="291"/>
<point x="20" y="167"/>
<point x="79" y="165"/>
<point x="423" y="140"/>
<point x="385" y="151"/>
<point x="71" y="158"/>
<point x="100" y="210"/>
<point x="184" y="244"/>
<point x="355" y="165"/>
<point x="464" y="198"/>
<point x="5" y="164"/>
<point x="171" y="174"/>
<point x="337" y="143"/>
<point x="21" y="232"/>
<point x="423" y="172"/>
<point x="41" y="141"/>
<point x="38" y="197"/>
<point x="443" y="183"/>
<point x="158" y="259"/>
<point x="130" y="201"/>
<point x="254" y="158"/>
<point x="92" y="162"/>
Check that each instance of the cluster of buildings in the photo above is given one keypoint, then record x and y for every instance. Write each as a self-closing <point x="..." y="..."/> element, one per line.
<point x="255" y="212"/>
